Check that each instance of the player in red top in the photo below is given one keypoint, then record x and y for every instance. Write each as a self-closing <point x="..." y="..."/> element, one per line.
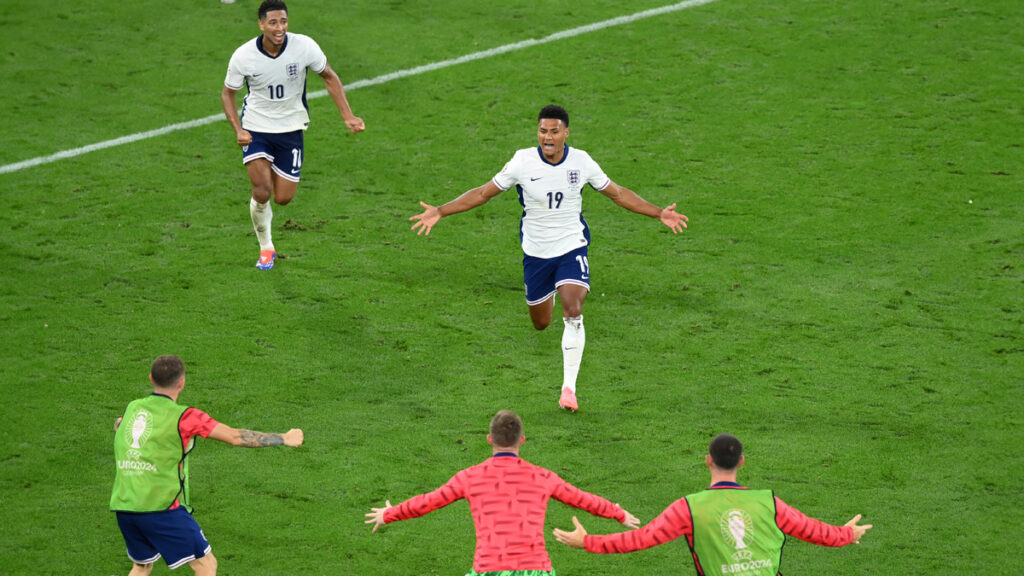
<point x="724" y="458"/>
<point x="508" y="498"/>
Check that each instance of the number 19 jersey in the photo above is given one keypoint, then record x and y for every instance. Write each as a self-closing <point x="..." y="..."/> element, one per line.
<point x="276" y="102"/>
<point x="552" y="198"/>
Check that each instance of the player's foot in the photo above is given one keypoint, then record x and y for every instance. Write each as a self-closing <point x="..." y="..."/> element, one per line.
<point x="266" y="261"/>
<point x="568" y="400"/>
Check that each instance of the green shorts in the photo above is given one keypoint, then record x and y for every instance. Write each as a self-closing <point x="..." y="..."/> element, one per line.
<point x="512" y="573"/>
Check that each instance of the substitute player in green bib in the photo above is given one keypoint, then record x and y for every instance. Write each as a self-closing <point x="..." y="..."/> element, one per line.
<point x="729" y="528"/>
<point x="151" y="495"/>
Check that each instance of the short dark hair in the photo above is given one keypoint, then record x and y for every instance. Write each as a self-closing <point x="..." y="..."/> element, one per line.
<point x="726" y="451"/>
<point x="270" y="6"/>
<point x="554" y="112"/>
<point x="506" y="429"/>
<point x="166" y="370"/>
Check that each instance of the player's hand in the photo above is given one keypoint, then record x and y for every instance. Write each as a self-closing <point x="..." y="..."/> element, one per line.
<point x="574" y="538"/>
<point x="426" y="221"/>
<point x="376" y="515"/>
<point x="674" y="220"/>
<point x="117" y="423"/>
<point x="630" y="521"/>
<point x="355" y="124"/>
<point x="243" y="137"/>
<point x="293" y="437"/>
<point x="858" y="531"/>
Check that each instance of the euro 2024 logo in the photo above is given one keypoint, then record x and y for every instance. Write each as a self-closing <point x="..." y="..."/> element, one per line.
<point x="734" y="525"/>
<point x="138" y="433"/>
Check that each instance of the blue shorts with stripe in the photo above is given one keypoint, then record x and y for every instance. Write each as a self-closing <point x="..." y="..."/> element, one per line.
<point x="283" y="151"/>
<point x="543" y="276"/>
<point x="171" y="534"/>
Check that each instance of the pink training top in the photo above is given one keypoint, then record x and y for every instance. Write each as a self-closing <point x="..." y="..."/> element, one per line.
<point x="677" y="521"/>
<point x="193" y="422"/>
<point x="508" y="498"/>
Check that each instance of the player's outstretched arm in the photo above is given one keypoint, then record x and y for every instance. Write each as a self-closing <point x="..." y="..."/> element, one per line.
<point x="376" y="515"/>
<point x="337" y="92"/>
<point x="634" y="203"/>
<point x="254" y="439"/>
<point x="470" y="199"/>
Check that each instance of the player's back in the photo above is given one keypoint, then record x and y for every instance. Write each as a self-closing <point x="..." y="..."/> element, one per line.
<point x="508" y="498"/>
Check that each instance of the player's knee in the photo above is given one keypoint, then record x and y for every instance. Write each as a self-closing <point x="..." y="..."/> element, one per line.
<point x="261" y="194"/>
<point x="541" y="323"/>
<point x="572" y="309"/>
<point x="282" y="200"/>
<point x="205" y="566"/>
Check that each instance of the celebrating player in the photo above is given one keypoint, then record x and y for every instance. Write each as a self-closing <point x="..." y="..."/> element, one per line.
<point x="550" y="180"/>
<point x="273" y="67"/>
<point x="508" y="499"/>
<point x="727" y="525"/>
<point x="151" y="494"/>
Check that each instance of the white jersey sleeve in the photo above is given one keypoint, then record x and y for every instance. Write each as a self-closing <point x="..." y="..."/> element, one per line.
<point x="276" y="101"/>
<point x="592" y="173"/>
<point x="509" y="175"/>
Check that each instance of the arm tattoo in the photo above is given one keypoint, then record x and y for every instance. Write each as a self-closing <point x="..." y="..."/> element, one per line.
<point x="254" y="439"/>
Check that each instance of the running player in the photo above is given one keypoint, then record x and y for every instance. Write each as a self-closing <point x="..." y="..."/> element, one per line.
<point x="550" y="180"/>
<point x="508" y="498"/>
<point x="273" y="68"/>
<point x="151" y="492"/>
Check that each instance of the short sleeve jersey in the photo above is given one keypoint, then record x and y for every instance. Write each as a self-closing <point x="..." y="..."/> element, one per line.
<point x="276" y="102"/>
<point x="552" y="198"/>
<point x="508" y="499"/>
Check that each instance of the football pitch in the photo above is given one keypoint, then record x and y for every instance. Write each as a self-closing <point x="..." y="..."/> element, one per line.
<point x="848" y="299"/>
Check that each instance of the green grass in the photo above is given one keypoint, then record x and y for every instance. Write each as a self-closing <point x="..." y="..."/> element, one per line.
<point x="847" y="299"/>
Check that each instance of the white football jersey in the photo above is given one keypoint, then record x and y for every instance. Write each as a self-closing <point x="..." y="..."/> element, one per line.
<point x="276" y="101"/>
<point x="552" y="198"/>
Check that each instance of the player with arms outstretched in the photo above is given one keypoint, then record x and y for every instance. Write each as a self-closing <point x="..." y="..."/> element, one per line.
<point x="273" y="66"/>
<point x="730" y="529"/>
<point x="508" y="498"/>
<point x="550" y="180"/>
<point x="151" y="493"/>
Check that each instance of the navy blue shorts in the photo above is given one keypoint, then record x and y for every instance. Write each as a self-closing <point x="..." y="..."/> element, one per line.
<point x="172" y="534"/>
<point x="543" y="276"/>
<point x="283" y="151"/>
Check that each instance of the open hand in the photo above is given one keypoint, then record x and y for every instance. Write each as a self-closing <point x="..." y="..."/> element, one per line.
<point x="376" y="515"/>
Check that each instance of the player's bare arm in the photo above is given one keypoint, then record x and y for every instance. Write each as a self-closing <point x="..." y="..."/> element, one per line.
<point x="227" y="100"/>
<point x="337" y="91"/>
<point x="376" y="515"/>
<point x="254" y="439"/>
<point x="467" y="201"/>
<point x="633" y="202"/>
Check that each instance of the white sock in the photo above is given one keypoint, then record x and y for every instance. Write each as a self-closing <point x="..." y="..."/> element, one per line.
<point x="573" y="340"/>
<point x="262" y="215"/>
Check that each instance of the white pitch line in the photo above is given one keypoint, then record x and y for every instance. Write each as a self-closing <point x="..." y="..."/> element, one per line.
<point x="364" y="83"/>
